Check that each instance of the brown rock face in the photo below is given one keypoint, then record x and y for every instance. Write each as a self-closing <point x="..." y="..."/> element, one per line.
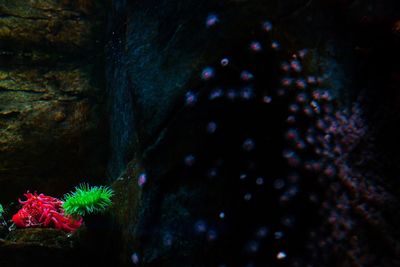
<point x="51" y="88"/>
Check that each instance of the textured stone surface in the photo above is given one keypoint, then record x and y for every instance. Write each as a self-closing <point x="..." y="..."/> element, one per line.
<point x="155" y="56"/>
<point x="51" y="83"/>
<point x="49" y="247"/>
<point x="61" y="25"/>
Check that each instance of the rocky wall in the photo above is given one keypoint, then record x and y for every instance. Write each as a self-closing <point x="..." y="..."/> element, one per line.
<point x="52" y="127"/>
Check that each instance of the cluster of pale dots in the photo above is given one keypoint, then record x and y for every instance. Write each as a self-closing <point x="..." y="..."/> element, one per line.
<point x="314" y="104"/>
<point x="209" y="72"/>
<point x="202" y="228"/>
<point x="318" y="108"/>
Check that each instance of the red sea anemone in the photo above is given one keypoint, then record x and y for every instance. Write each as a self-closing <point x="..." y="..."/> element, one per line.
<point x="44" y="211"/>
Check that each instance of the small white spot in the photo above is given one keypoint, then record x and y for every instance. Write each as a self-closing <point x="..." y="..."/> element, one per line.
<point x="279" y="184"/>
<point x="216" y="93"/>
<point x="267" y="26"/>
<point x="281" y="255"/>
<point x="211" y="20"/>
<point x="189" y="160"/>
<point x="135" y="258"/>
<point x="224" y="62"/>
<point x="207" y="73"/>
<point x="211" y="127"/>
<point x="211" y="235"/>
<point x="275" y="45"/>
<point x="267" y="99"/>
<point x="142" y="179"/>
<point x="278" y="235"/>
<point x="191" y="98"/>
<point x="253" y="246"/>
<point x="200" y="227"/>
<point x="246" y="75"/>
<point x="260" y="181"/>
<point x="255" y="46"/>
<point x="248" y="144"/>
<point x="247" y="196"/>
<point x="262" y="232"/>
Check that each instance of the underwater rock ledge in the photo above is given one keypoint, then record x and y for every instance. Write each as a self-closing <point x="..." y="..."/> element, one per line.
<point x="51" y="95"/>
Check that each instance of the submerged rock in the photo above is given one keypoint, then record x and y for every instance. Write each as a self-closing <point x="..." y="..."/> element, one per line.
<point x="51" y="247"/>
<point x="220" y="188"/>
<point x="51" y="100"/>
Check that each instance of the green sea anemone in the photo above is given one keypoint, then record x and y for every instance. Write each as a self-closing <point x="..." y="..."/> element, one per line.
<point x="87" y="200"/>
<point x="1" y="210"/>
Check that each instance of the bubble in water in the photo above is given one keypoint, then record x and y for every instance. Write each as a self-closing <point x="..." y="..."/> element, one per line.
<point x="213" y="172"/>
<point x="302" y="53"/>
<point x="301" y="98"/>
<point x="267" y="26"/>
<point x="189" y="160"/>
<point x="262" y="232"/>
<point x="246" y="75"/>
<point x="330" y="171"/>
<point x="200" y="227"/>
<point x="216" y="93"/>
<point x="291" y="119"/>
<point x="248" y="144"/>
<point x="211" y="127"/>
<point x="207" y="73"/>
<point x="278" y="235"/>
<point x="293" y="108"/>
<point x="308" y="111"/>
<point x="311" y="80"/>
<point x="191" y="98"/>
<point x="275" y="45"/>
<point x="142" y="179"/>
<point x="279" y="184"/>
<point x="255" y="46"/>
<point x="247" y="196"/>
<point x="285" y="66"/>
<point x="296" y="66"/>
<point x="260" y="181"/>
<point x="286" y="81"/>
<point x="287" y="221"/>
<point x="267" y="99"/>
<point x="281" y="255"/>
<point x="292" y="134"/>
<point x="231" y="94"/>
<point x="167" y="240"/>
<point x="135" y="258"/>
<point x="252" y="246"/>
<point x="224" y="62"/>
<point x="301" y="84"/>
<point x="211" y="20"/>
<point x="281" y="92"/>
<point x="246" y="93"/>
<point x="212" y="235"/>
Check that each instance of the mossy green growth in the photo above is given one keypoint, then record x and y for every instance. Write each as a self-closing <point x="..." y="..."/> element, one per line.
<point x="87" y="200"/>
<point x="1" y="210"/>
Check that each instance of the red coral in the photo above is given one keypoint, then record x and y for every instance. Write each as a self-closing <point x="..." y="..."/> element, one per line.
<point x="44" y="211"/>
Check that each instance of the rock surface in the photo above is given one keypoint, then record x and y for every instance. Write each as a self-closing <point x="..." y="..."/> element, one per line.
<point x="156" y="55"/>
<point x="50" y="247"/>
<point x="51" y="84"/>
